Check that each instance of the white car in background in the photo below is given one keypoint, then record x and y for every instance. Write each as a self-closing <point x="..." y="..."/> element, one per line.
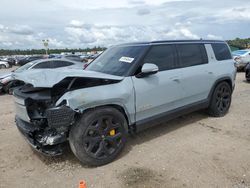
<point x="242" y="58"/>
<point x="4" y="65"/>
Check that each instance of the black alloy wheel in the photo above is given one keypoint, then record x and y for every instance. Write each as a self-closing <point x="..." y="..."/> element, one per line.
<point x="98" y="136"/>
<point x="221" y="100"/>
<point x="102" y="137"/>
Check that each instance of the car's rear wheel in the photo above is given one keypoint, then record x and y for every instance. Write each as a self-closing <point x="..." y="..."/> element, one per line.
<point x="221" y="100"/>
<point x="247" y="75"/>
<point x="99" y="136"/>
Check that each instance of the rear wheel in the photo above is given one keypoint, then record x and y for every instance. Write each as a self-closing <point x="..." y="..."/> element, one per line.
<point x="99" y="136"/>
<point x="221" y="100"/>
<point x="247" y="75"/>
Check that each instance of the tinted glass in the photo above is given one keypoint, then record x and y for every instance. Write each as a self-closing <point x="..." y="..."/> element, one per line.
<point x="221" y="51"/>
<point x="26" y="66"/>
<point x="116" y="60"/>
<point x="163" y="56"/>
<point x="192" y="54"/>
<point x="57" y="64"/>
<point x="43" y="65"/>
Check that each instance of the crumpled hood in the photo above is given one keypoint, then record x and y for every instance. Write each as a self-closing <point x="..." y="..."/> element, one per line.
<point x="47" y="78"/>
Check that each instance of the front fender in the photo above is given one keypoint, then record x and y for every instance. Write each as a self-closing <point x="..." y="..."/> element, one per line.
<point x="121" y="94"/>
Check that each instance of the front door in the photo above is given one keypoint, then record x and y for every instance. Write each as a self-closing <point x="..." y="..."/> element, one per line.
<point x="160" y="92"/>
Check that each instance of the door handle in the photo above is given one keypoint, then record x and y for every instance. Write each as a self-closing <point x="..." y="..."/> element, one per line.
<point x="176" y="80"/>
<point x="210" y="72"/>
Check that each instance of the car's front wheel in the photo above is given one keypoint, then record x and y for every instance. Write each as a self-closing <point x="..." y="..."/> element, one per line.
<point x="3" y="67"/>
<point x="221" y="100"/>
<point x="99" y="136"/>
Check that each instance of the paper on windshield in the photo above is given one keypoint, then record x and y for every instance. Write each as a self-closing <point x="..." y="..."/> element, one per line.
<point x="126" y="59"/>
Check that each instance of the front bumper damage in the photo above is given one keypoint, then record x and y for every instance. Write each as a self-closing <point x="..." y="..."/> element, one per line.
<point x="47" y="143"/>
<point x="44" y="127"/>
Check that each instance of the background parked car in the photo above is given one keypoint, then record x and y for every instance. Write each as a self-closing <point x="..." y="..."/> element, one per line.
<point x="29" y="59"/>
<point x="242" y="58"/>
<point x="75" y="58"/>
<point x="8" y="82"/>
<point x="4" y="64"/>
<point x="10" y="60"/>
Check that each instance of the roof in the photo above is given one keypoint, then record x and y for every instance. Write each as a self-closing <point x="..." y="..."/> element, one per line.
<point x="175" y="41"/>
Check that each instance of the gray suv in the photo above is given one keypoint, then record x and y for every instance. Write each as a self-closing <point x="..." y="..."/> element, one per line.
<point x="129" y="88"/>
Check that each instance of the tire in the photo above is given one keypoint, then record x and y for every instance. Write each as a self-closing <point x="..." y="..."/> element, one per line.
<point x="247" y="75"/>
<point x="221" y="100"/>
<point x="91" y="140"/>
<point x="3" y="67"/>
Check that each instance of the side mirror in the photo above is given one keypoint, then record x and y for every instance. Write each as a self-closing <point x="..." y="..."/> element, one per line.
<point x="148" y="69"/>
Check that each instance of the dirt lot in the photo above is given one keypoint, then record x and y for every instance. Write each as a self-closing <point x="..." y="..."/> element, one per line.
<point x="191" y="151"/>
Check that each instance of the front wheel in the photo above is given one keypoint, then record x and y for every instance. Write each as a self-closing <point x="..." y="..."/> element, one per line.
<point x="221" y="100"/>
<point x="99" y="136"/>
<point x="3" y="67"/>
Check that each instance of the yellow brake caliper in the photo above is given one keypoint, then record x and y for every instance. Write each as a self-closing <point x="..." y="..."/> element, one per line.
<point x="112" y="132"/>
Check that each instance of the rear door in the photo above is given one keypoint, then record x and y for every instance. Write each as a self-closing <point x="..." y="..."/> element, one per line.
<point x="197" y="74"/>
<point x="160" y="92"/>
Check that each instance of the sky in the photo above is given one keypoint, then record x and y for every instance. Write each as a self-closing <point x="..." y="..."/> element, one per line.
<point x="81" y="23"/>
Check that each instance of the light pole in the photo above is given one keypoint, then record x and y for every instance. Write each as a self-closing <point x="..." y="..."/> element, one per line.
<point x="46" y="45"/>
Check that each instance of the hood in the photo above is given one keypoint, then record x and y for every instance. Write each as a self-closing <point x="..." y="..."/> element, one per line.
<point x="47" y="78"/>
<point x="2" y="76"/>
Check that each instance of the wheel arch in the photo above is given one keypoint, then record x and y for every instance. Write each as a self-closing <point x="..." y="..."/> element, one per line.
<point x="223" y="79"/>
<point x="118" y="107"/>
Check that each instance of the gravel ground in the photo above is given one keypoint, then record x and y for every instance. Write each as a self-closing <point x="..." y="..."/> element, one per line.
<point x="192" y="151"/>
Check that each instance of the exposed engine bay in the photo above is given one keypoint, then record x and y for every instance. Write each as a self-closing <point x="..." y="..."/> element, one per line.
<point x="45" y="124"/>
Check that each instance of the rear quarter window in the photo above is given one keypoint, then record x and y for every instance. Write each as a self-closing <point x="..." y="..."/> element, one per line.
<point x="57" y="64"/>
<point x="221" y="51"/>
<point x="192" y="55"/>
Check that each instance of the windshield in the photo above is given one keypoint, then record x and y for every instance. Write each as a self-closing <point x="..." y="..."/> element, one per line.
<point x="239" y="52"/>
<point x="25" y="67"/>
<point x="116" y="60"/>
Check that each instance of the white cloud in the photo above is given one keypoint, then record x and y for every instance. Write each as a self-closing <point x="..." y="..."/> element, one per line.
<point x="143" y="11"/>
<point x="82" y="23"/>
<point x="21" y="30"/>
<point x="76" y="24"/>
<point x="109" y="35"/>
<point x="214" y="37"/>
<point x="234" y="14"/>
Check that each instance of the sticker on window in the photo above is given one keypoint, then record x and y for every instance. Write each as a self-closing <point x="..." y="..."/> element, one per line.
<point x="126" y="59"/>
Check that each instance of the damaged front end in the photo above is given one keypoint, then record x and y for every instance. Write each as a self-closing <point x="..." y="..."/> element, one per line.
<point x="43" y="125"/>
<point x="39" y="117"/>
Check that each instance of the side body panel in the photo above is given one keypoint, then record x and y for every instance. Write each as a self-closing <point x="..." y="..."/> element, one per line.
<point x="121" y="93"/>
<point x="157" y="93"/>
<point x="222" y="69"/>
<point x="197" y="81"/>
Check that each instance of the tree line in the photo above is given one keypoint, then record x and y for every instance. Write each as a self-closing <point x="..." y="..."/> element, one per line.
<point x="5" y="52"/>
<point x="240" y="43"/>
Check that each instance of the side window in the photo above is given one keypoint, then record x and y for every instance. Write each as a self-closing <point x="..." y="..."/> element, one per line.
<point x="43" y="65"/>
<point x="221" y="51"/>
<point x="192" y="54"/>
<point x="57" y="64"/>
<point x="163" y="56"/>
